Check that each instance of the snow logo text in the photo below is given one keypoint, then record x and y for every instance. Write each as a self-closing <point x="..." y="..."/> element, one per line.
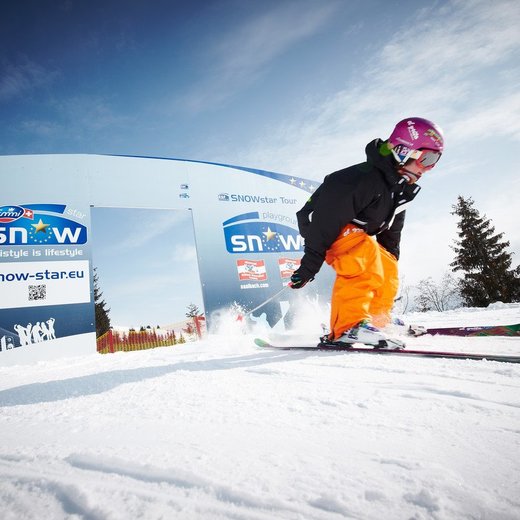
<point x="39" y="224"/>
<point x="246" y="233"/>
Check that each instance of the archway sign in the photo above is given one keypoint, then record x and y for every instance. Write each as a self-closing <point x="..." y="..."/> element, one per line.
<point x="244" y="223"/>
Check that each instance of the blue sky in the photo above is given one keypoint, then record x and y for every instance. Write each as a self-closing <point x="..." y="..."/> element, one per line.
<point x="147" y="264"/>
<point x="297" y="87"/>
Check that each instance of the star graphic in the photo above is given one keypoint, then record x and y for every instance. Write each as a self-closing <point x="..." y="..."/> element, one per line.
<point x="269" y="235"/>
<point x="40" y="227"/>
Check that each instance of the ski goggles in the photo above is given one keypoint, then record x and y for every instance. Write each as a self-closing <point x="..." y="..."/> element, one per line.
<point x="426" y="158"/>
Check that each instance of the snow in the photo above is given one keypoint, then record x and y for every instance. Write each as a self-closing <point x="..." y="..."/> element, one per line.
<point x="219" y="429"/>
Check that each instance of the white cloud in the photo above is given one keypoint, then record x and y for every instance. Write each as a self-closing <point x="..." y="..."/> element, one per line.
<point x="39" y="127"/>
<point x="87" y="113"/>
<point x="81" y="118"/>
<point x="145" y="286"/>
<point x="17" y="80"/>
<point x="184" y="253"/>
<point x="151" y="225"/>
<point x="496" y="117"/>
<point x="457" y="66"/>
<point x="238" y="59"/>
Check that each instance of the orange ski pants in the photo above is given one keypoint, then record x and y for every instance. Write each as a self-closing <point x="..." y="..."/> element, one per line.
<point x="366" y="281"/>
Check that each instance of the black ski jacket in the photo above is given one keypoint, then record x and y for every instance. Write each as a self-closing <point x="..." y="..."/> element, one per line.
<point x="370" y="195"/>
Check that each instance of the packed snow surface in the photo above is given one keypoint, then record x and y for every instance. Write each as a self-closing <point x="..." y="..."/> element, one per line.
<point x="219" y="429"/>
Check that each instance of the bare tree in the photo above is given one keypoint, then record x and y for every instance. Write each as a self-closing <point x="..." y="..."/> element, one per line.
<point x="402" y="302"/>
<point x="438" y="296"/>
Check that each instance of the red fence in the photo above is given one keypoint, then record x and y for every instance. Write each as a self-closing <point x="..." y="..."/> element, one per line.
<point x="114" y="341"/>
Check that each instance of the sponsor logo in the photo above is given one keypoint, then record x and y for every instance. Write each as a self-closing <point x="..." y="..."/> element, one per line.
<point x="351" y="230"/>
<point x="434" y="136"/>
<point x="26" y="227"/>
<point x="256" y="285"/>
<point x="246" y="233"/>
<point x="414" y="134"/>
<point x="251" y="270"/>
<point x="10" y="214"/>
<point x="287" y="266"/>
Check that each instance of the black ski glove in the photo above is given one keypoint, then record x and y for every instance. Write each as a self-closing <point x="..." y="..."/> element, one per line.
<point x="299" y="279"/>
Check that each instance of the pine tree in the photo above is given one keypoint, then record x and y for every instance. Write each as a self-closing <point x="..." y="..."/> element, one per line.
<point x="102" y="318"/>
<point x="193" y="327"/>
<point x="193" y="311"/>
<point x="482" y="258"/>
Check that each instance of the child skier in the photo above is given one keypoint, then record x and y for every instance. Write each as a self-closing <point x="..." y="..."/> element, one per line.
<point x="353" y="221"/>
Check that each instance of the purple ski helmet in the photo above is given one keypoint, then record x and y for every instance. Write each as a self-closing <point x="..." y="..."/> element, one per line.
<point x="416" y="133"/>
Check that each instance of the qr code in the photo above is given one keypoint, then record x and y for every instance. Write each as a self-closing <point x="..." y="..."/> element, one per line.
<point x="37" y="292"/>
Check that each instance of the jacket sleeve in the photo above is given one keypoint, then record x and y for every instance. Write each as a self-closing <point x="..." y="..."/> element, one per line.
<point x="390" y="239"/>
<point x="334" y="206"/>
<point x="304" y="215"/>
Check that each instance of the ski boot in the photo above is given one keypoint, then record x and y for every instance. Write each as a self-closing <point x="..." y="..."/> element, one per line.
<point x="366" y="334"/>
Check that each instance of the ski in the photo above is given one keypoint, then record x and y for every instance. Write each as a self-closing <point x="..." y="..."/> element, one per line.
<point x="323" y="347"/>
<point x="491" y="330"/>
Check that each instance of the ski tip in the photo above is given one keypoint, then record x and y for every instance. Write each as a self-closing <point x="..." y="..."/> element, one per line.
<point x="261" y="343"/>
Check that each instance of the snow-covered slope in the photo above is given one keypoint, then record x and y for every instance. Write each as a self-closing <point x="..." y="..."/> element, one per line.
<point x="221" y="430"/>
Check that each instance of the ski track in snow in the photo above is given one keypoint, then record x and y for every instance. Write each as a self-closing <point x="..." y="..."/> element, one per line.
<point x="222" y="430"/>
